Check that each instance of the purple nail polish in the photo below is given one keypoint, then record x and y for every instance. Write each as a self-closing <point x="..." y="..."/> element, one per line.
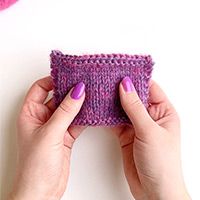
<point x="78" y="91"/>
<point x="128" y="84"/>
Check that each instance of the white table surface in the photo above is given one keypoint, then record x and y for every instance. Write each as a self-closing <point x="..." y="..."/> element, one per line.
<point x="168" y="30"/>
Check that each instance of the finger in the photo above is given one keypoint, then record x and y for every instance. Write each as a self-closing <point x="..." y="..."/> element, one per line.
<point x="72" y="134"/>
<point x="75" y="131"/>
<point x="51" y="104"/>
<point x="161" y="110"/>
<point x="131" y="171"/>
<point x="67" y="110"/>
<point x="39" y="90"/>
<point x="156" y="94"/>
<point x="116" y="130"/>
<point x="126" y="139"/>
<point x="125" y="135"/>
<point x="133" y="106"/>
<point x="160" y="102"/>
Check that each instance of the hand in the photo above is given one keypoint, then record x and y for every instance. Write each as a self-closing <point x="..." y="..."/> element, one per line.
<point x="45" y="139"/>
<point x="151" y="147"/>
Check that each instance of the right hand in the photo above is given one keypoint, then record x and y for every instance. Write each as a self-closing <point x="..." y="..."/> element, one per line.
<point x="151" y="146"/>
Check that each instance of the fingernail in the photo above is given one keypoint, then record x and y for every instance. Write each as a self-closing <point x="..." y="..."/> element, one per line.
<point x="78" y="91"/>
<point x="128" y="84"/>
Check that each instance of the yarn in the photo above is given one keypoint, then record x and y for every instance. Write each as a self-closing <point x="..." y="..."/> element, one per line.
<point x="6" y="3"/>
<point x="101" y="74"/>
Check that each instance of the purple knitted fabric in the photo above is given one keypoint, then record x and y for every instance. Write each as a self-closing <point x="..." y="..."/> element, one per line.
<point x="101" y="74"/>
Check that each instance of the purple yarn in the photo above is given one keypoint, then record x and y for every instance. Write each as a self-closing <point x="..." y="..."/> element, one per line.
<point x="101" y="74"/>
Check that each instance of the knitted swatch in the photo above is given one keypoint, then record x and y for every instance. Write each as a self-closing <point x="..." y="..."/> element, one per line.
<point x="6" y="3"/>
<point x="101" y="74"/>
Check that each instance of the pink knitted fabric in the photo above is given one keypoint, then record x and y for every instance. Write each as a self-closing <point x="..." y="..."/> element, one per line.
<point x="101" y="74"/>
<point x="6" y="3"/>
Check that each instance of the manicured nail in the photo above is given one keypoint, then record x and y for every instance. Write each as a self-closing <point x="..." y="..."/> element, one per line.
<point x="78" y="91"/>
<point x="128" y="84"/>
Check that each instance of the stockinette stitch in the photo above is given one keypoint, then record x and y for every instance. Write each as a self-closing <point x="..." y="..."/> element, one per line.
<point x="101" y="74"/>
<point x="6" y="3"/>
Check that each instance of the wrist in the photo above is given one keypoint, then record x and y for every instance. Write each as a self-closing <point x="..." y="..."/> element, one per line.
<point x="176" y="195"/>
<point x="173" y="193"/>
<point x="24" y="189"/>
<point x="32" y="196"/>
<point x="168" y="189"/>
<point x="22" y="193"/>
<point x="171" y="188"/>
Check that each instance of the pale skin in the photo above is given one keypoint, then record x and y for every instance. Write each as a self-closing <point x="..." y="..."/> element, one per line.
<point x="150" y="147"/>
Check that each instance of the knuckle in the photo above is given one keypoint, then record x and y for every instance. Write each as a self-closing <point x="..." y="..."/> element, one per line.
<point x="36" y="83"/>
<point x="134" y="103"/>
<point x="67" y="107"/>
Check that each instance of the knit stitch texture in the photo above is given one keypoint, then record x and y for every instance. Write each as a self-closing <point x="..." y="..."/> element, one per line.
<point x="101" y="74"/>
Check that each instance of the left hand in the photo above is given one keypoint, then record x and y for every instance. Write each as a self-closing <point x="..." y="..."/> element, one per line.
<point x="45" y="139"/>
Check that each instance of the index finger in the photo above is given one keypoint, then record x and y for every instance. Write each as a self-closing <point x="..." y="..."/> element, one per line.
<point x="156" y="94"/>
<point x="39" y="90"/>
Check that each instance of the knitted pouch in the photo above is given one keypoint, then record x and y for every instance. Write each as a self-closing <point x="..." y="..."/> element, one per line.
<point x="101" y="74"/>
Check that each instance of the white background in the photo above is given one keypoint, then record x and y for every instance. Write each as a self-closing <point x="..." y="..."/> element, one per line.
<point x="168" y="30"/>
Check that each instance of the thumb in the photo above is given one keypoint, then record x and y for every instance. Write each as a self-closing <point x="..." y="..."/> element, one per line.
<point x="67" y="110"/>
<point x="133" y="106"/>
